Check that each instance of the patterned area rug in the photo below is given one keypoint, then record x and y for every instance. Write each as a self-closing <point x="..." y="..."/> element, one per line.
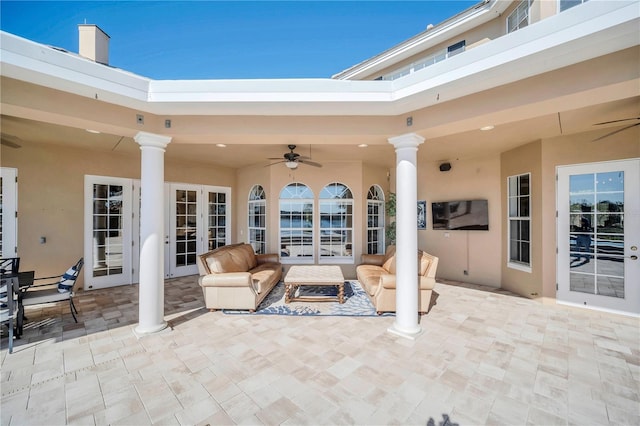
<point x="356" y="304"/>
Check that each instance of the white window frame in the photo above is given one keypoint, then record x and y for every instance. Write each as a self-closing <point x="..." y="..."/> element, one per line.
<point x="434" y="58"/>
<point x="296" y="196"/>
<point x="522" y="14"/>
<point x="376" y="200"/>
<point x="9" y="203"/>
<point x="569" y="4"/>
<point x="257" y="219"/>
<point x="514" y="199"/>
<point x="336" y="198"/>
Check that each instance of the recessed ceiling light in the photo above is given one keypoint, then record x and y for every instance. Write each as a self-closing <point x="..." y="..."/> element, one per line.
<point x="92" y="131"/>
<point x="363" y="145"/>
<point x="485" y="128"/>
<point x="221" y="145"/>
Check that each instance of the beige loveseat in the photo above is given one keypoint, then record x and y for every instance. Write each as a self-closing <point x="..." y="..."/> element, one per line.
<point x="377" y="276"/>
<point x="234" y="277"/>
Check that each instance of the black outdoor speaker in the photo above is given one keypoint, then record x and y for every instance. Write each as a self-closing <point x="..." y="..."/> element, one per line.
<point x="445" y="167"/>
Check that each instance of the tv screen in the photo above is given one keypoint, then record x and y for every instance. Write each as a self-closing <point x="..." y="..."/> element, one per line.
<point x="461" y="215"/>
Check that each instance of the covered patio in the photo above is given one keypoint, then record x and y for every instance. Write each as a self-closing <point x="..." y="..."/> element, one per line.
<point x="486" y="356"/>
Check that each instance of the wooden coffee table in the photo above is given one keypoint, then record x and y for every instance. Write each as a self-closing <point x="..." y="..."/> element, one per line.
<point x="313" y="275"/>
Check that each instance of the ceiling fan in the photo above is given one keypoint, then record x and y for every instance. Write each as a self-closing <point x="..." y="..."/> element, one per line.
<point x="292" y="159"/>
<point x="617" y="130"/>
<point x="10" y="141"/>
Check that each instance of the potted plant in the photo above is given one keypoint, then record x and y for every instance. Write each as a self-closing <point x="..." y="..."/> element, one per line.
<point x="390" y="207"/>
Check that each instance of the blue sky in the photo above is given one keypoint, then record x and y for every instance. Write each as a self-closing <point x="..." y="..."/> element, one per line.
<point x="237" y="39"/>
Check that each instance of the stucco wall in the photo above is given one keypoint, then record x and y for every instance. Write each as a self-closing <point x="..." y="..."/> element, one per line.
<point x="475" y="37"/>
<point x="521" y="160"/>
<point x="477" y="252"/>
<point x="51" y="196"/>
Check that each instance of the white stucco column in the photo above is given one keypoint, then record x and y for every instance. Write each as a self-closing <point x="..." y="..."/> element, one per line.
<point x="151" y="287"/>
<point x="406" y="324"/>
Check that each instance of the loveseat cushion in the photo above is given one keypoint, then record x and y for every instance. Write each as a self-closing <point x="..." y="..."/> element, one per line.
<point x="263" y="276"/>
<point x="238" y="258"/>
<point x="369" y="277"/>
<point x="249" y="255"/>
<point x="389" y="263"/>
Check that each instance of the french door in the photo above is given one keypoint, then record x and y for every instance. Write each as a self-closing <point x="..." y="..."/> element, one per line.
<point x="599" y="235"/>
<point x="183" y="231"/>
<point x="108" y="231"/>
<point x="197" y="219"/>
<point x="8" y="212"/>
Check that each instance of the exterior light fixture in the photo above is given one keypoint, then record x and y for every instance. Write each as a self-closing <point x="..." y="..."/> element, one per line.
<point x="485" y="128"/>
<point x="291" y="164"/>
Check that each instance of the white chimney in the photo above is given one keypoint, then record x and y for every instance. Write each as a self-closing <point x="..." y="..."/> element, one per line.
<point x="93" y="43"/>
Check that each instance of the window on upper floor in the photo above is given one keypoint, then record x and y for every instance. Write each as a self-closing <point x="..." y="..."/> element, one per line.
<point x="336" y="222"/>
<point x="296" y="223"/>
<point x="568" y="4"/>
<point x="434" y="58"/>
<point x="375" y="220"/>
<point x="519" y="18"/>
<point x="257" y="219"/>
<point x="519" y="205"/>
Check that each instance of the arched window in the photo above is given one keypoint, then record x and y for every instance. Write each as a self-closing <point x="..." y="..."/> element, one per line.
<point x="336" y="222"/>
<point x="296" y="224"/>
<point x="257" y="219"/>
<point x="375" y="220"/>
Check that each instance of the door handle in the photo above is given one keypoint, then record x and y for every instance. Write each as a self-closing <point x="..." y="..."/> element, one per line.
<point x="634" y="257"/>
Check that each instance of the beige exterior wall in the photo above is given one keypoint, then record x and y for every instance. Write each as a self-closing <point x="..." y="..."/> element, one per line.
<point x="518" y="161"/>
<point x="51" y="197"/>
<point x="540" y="9"/>
<point x="479" y="35"/>
<point x="477" y="252"/>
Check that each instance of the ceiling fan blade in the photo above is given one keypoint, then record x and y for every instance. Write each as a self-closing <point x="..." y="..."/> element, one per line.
<point x="10" y="141"/>
<point x="310" y="163"/>
<point x="617" y="121"/>
<point x="277" y="162"/>
<point x="615" y="131"/>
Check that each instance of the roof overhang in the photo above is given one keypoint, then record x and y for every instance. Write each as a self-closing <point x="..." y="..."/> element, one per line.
<point x="592" y="30"/>
<point x="464" y="21"/>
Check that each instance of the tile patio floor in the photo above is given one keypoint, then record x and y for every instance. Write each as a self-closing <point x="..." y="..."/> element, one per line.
<point x="485" y="357"/>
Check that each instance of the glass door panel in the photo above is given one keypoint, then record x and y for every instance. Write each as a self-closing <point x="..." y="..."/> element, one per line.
<point x="216" y="220"/>
<point x="8" y="209"/>
<point x="198" y="221"/>
<point x="599" y="222"/>
<point x="183" y="238"/>
<point x="108" y="206"/>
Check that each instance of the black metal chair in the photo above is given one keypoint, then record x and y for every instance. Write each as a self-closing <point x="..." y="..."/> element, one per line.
<point x="9" y="288"/>
<point x="58" y="288"/>
<point x="9" y="265"/>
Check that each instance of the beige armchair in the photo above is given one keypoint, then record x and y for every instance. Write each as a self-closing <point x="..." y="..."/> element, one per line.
<point x="377" y="275"/>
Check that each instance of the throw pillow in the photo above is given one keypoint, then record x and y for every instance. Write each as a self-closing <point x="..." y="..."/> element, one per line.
<point x="66" y="282"/>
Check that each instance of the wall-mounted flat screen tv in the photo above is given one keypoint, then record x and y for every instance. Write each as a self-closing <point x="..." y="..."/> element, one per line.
<point x="461" y="215"/>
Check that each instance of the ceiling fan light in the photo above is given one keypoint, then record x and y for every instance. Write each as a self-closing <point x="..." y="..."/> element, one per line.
<point x="291" y="164"/>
